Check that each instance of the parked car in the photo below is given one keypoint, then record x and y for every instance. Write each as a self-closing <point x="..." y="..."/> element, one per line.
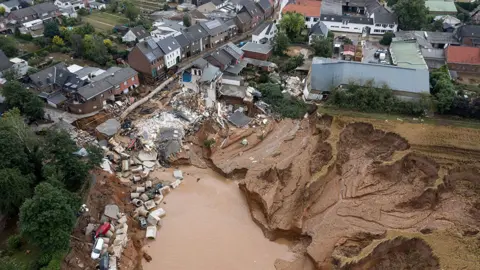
<point x="104" y="262"/>
<point x="97" y="248"/>
<point x="103" y="229"/>
<point x="378" y="52"/>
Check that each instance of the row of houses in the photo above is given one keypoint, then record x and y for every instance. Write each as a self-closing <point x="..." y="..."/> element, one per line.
<point x="153" y="55"/>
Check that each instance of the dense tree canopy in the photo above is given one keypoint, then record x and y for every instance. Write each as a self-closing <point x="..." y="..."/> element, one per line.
<point x="292" y="23"/>
<point x="51" y="29"/>
<point x="282" y="104"/>
<point x="48" y="218"/>
<point x="280" y="43"/>
<point x="412" y="14"/>
<point x="95" y="50"/>
<point x="17" y="96"/>
<point x="9" y="46"/>
<point x="323" y="47"/>
<point x="19" y="188"/>
<point x="186" y="20"/>
<point x="131" y="11"/>
<point x="387" y="38"/>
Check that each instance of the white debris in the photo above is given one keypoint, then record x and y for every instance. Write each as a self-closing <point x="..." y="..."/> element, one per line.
<point x="151" y="232"/>
<point x="178" y="174"/>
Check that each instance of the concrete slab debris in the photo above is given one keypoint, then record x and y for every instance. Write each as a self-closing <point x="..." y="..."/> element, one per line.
<point x="122" y="220"/>
<point x="144" y="197"/>
<point x="178" y="174"/>
<point x="149" y="164"/>
<point x="137" y="168"/>
<point x="151" y="232"/>
<point x="147" y="155"/>
<point x="109" y="127"/>
<point x="153" y="220"/>
<point x="117" y="251"/>
<point x="149" y="204"/>
<point x="140" y="189"/>
<point x="125" y="165"/>
<point x="134" y="195"/>
<point x="175" y="184"/>
<point x="111" y="211"/>
<point x="239" y="119"/>
<point x="136" y="178"/>
<point x="106" y="165"/>
<point x="112" y="263"/>
<point x="159" y="212"/>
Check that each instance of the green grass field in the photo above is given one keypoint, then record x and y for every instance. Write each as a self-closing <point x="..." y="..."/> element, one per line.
<point x="103" y="21"/>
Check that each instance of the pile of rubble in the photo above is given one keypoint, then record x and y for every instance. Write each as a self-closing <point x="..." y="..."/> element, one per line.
<point x="293" y="86"/>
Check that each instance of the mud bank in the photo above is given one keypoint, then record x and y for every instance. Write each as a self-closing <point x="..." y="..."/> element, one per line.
<point x="341" y="186"/>
<point x="208" y="226"/>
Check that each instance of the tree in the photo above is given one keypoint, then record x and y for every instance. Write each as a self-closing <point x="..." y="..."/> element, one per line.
<point x="166" y="7"/>
<point x="347" y="41"/>
<point x="437" y="26"/>
<point x="77" y="45"/>
<point x="282" y="104"/>
<point x="186" y="20"/>
<point x="280" y="43"/>
<point x="15" y="189"/>
<point x="17" y="96"/>
<point x="51" y="29"/>
<point x="323" y="47"/>
<point x="387" y="38"/>
<point x="8" y="263"/>
<point x="2" y="11"/>
<point x="131" y="11"/>
<point x="48" y="218"/>
<point x="95" y="49"/>
<point x="412" y="14"/>
<point x="294" y="62"/>
<point x="9" y="46"/>
<point x="58" y="41"/>
<point x="82" y="12"/>
<point x="108" y="43"/>
<point x="292" y="23"/>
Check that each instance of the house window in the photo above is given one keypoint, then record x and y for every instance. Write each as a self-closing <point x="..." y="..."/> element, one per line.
<point x="376" y="31"/>
<point x="315" y="19"/>
<point x="345" y="27"/>
<point x="377" y="24"/>
<point x="307" y="19"/>
<point x="390" y="25"/>
<point x="384" y="25"/>
<point x="345" y="22"/>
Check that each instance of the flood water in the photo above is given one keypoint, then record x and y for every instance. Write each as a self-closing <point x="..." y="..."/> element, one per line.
<point x="208" y="226"/>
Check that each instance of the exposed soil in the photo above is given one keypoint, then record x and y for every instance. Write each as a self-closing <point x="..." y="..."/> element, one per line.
<point x="106" y="190"/>
<point x="339" y="187"/>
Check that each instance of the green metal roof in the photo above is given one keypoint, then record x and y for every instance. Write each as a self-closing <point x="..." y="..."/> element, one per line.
<point x="441" y="6"/>
<point x="407" y="54"/>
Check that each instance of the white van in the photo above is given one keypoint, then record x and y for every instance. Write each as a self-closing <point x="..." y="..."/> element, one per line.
<point x="97" y="248"/>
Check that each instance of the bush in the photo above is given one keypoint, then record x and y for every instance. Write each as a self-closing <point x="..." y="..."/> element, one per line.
<point x="44" y="259"/>
<point x="14" y="242"/>
<point x="282" y="104"/>
<point x="209" y="143"/>
<point x="387" y="39"/>
<point x="368" y="98"/>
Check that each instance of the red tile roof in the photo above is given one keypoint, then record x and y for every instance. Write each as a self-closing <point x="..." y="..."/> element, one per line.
<point x="463" y="54"/>
<point x="307" y="8"/>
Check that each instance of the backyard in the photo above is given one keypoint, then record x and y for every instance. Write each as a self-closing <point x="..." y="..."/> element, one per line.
<point x="103" y="21"/>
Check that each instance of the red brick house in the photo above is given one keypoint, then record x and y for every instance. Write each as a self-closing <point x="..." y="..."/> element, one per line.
<point x="463" y="59"/>
<point x="257" y="51"/>
<point x="148" y="59"/>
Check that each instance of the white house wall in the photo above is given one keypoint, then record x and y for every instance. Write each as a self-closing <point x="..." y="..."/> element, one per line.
<point x="377" y="29"/>
<point x="171" y="58"/>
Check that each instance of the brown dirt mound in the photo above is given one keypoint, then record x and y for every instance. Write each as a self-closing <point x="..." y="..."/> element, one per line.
<point x="326" y="180"/>
<point x="399" y="253"/>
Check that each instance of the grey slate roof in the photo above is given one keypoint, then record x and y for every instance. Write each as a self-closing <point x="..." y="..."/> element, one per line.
<point x="11" y="3"/>
<point x="140" y="32"/>
<point x="209" y="73"/>
<point x="214" y="27"/>
<point x="35" y="10"/>
<point x="233" y="50"/>
<point x="150" y="49"/>
<point x="467" y="31"/>
<point x="222" y="57"/>
<point x="182" y="40"/>
<point x="4" y="61"/>
<point x="252" y="8"/>
<point x="258" y="48"/>
<point x="195" y="33"/>
<point x="264" y="5"/>
<point x="244" y="17"/>
<point x="262" y="27"/>
<point x="351" y="19"/>
<point x="381" y="14"/>
<point x="230" y="24"/>
<point x="94" y="89"/>
<point x="217" y="2"/>
<point x="319" y="29"/>
<point x="197" y="15"/>
<point x="327" y="74"/>
<point x="200" y="63"/>
<point x="426" y="38"/>
<point x="331" y="7"/>
<point x="56" y="75"/>
<point x="86" y="71"/>
<point x="168" y="45"/>
<point x="331" y="10"/>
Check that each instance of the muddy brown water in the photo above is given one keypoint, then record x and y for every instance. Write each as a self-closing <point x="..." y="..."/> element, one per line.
<point x="208" y="226"/>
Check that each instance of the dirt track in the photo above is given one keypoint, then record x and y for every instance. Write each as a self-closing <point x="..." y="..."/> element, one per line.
<point x="359" y="197"/>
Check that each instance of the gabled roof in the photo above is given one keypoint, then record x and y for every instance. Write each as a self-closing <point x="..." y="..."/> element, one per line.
<point x="214" y="27"/>
<point x="195" y="14"/>
<point x="319" y="29"/>
<point x="11" y="3"/>
<point x="4" y="61"/>
<point x="150" y="49"/>
<point x="265" y="5"/>
<point x="244" y="17"/>
<point x="140" y="32"/>
<point x="221" y="57"/>
<point x="327" y="74"/>
<point x="233" y="50"/>
<point x="380" y="13"/>
<point x="463" y="55"/>
<point x="210" y="73"/>
<point x="182" y="40"/>
<point x="265" y="26"/>
<point x="34" y="10"/>
<point x="258" y="48"/>
<point x="467" y="31"/>
<point x="94" y="89"/>
<point x="252" y="9"/>
<point x="168" y="45"/>
<point x="195" y="32"/>
<point x="56" y="75"/>
<point x="306" y="8"/>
